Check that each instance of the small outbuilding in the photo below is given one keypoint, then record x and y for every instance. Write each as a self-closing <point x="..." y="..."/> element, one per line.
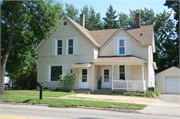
<point x="168" y="81"/>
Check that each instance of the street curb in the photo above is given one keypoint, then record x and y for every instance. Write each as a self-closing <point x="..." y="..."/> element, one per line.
<point x="13" y="103"/>
<point x="81" y="107"/>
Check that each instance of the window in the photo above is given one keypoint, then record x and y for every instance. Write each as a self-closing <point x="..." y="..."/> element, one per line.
<point x="122" y="72"/>
<point x="59" y="47"/>
<point x="56" y="71"/>
<point x="70" y="46"/>
<point x="106" y="75"/>
<point x="65" y="23"/>
<point x="121" y="47"/>
<point x="84" y="75"/>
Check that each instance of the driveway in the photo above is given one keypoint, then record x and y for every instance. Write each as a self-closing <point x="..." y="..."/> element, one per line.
<point x="170" y="98"/>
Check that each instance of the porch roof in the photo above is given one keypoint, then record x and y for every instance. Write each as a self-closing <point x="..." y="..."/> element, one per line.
<point x="119" y="59"/>
<point x="81" y="65"/>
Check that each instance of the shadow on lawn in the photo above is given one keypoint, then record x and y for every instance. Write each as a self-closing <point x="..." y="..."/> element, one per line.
<point x="26" y="101"/>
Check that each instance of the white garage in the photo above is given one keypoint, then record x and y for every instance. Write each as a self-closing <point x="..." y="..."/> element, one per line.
<point x="168" y="81"/>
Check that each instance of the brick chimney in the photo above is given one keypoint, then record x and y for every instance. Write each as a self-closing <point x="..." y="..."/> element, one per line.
<point x="82" y="20"/>
<point x="138" y="20"/>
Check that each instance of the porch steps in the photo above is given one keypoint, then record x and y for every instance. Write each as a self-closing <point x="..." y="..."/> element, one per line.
<point x="102" y="91"/>
<point x="85" y="91"/>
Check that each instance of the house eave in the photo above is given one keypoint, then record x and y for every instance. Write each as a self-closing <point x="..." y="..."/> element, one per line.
<point x="39" y="45"/>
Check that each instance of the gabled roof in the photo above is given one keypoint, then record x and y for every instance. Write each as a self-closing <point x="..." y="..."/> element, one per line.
<point x="83" y="30"/>
<point x="99" y="38"/>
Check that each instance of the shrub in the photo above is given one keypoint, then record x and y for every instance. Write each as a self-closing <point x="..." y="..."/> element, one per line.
<point x="57" y="89"/>
<point x="46" y="88"/>
<point x="67" y="81"/>
<point x="157" y="91"/>
<point x="113" y="91"/>
<point x="149" y="92"/>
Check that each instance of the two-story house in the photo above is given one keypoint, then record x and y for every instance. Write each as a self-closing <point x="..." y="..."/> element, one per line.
<point x="122" y="58"/>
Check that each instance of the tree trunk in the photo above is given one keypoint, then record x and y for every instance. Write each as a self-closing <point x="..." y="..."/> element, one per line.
<point x="8" y="50"/>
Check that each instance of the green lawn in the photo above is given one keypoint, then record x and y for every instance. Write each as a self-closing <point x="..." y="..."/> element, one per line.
<point x="36" y="93"/>
<point x="25" y="96"/>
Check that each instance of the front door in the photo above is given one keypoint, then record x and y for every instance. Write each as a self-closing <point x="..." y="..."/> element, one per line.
<point x="84" y="79"/>
<point x="106" y="77"/>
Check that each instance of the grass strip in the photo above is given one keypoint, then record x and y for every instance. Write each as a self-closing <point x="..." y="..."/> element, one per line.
<point x="62" y="103"/>
<point x="36" y="93"/>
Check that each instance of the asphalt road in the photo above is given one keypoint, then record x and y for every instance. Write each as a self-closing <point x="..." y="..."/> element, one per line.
<point x="9" y="111"/>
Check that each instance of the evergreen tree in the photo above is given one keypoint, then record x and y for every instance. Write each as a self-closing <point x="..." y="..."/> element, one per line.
<point x="92" y="19"/>
<point x="71" y="11"/>
<point x="110" y="20"/>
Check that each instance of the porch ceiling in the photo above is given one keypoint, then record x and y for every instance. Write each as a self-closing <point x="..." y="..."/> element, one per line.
<point x="81" y="65"/>
<point x="119" y="59"/>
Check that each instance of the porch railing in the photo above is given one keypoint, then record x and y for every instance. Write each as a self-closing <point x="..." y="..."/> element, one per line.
<point x="135" y="85"/>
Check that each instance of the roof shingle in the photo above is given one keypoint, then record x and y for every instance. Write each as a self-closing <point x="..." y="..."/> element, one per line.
<point x="119" y="59"/>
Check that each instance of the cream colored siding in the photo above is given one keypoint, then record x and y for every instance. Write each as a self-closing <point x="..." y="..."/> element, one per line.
<point x="136" y="73"/>
<point x="160" y="77"/>
<point x="85" y="54"/>
<point x="67" y="31"/>
<point x="135" y="48"/>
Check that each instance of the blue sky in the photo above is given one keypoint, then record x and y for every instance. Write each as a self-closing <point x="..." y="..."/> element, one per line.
<point x="119" y="5"/>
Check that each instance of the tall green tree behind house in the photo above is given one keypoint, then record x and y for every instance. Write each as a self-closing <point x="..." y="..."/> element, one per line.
<point x="123" y="20"/>
<point x="175" y="6"/>
<point x="92" y="19"/>
<point x="24" y="25"/>
<point x="110" y="21"/>
<point x="164" y="29"/>
<point x="71" y="11"/>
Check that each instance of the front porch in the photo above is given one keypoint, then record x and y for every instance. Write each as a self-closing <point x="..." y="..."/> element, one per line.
<point x="121" y="75"/>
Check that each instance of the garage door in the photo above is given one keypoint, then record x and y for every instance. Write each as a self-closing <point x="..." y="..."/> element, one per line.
<point x="173" y="85"/>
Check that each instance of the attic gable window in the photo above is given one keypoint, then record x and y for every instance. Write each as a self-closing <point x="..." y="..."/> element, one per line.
<point x="121" y="46"/>
<point x="65" y="23"/>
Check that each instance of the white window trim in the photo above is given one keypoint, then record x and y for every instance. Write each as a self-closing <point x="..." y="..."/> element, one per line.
<point x="58" y="47"/>
<point x="64" y="67"/>
<point x="121" y="38"/>
<point x="74" y="45"/>
<point x="123" y="72"/>
<point x="55" y="46"/>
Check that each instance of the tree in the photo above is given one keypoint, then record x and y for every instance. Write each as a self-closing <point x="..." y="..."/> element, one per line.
<point x="109" y="21"/>
<point x="24" y="24"/>
<point x="71" y="11"/>
<point x="175" y="6"/>
<point x="123" y="20"/>
<point x="92" y="19"/>
<point x="164" y="29"/>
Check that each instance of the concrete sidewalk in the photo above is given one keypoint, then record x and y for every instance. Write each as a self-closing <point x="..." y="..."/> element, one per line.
<point x="155" y="106"/>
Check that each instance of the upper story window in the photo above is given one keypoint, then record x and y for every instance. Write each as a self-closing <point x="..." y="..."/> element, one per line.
<point x="59" y="47"/>
<point x="121" y="46"/>
<point x="70" y="46"/>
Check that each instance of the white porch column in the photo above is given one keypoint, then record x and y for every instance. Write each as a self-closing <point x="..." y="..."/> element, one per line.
<point x="143" y="75"/>
<point x="93" y="77"/>
<point x="112" y="77"/>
